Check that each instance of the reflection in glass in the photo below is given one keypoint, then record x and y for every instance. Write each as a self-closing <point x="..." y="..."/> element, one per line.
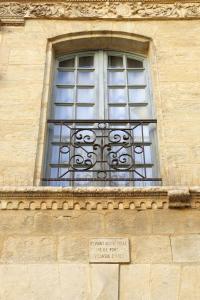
<point x="54" y="173"/>
<point x="82" y="175"/>
<point x="54" y="132"/>
<point x="85" y="95"/>
<point x="68" y="63"/>
<point x="139" y="112"/>
<point x="85" y="77"/>
<point x="86" y="61"/>
<point x="137" y="95"/>
<point x="85" y="113"/>
<point x="119" y="113"/>
<point x="116" y="77"/>
<point x="117" y="95"/>
<point x="133" y="63"/>
<point x="136" y="77"/>
<point x="115" y="61"/>
<point x="120" y="175"/>
<point x="137" y="133"/>
<point x="64" y="95"/>
<point x="63" y="112"/>
<point x="147" y="152"/>
<point x="65" y="133"/>
<point x="139" y="157"/>
<point x="65" y="77"/>
<point x="54" y="154"/>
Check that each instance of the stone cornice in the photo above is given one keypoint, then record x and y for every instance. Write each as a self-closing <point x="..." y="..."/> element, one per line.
<point x="15" y="12"/>
<point x="45" y="198"/>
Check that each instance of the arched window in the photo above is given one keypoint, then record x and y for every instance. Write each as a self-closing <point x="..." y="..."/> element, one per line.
<point x="101" y="129"/>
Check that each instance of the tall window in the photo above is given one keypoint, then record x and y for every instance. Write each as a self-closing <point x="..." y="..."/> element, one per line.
<point x="101" y="129"/>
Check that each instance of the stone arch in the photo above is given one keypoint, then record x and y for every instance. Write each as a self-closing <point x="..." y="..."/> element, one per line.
<point x="99" y="40"/>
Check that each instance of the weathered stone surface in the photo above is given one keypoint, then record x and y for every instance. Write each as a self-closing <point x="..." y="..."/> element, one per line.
<point x="186" y="248"/>
<point x="151" y="249"/>
<point x="128" y="223"/>
<point x="190" y="284"/>
<point x="73" y="249"/>
<point x="29" y="249"/>
<point x="69" y="222"/>
<point x="44" y="281"/>
<point x="165" y="281"/>
<point x="134" y="283"/>
<point x="15" y="282"/>
<point x="11" y="222"/>
<point x="176" y="222"/>
<point x="74" y="282"/>
<point x="104" y="281"/>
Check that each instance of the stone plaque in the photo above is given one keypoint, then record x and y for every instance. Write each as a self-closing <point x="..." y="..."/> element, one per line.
<point x="109" y="250"/>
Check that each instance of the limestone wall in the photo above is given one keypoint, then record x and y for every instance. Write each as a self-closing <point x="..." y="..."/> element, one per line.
<point x="45" y="234"/>
<point x="175" y="67"/>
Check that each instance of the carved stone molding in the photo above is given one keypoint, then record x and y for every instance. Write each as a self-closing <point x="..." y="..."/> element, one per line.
<point x="41" y="198"/>
<point x="97" y="10"/>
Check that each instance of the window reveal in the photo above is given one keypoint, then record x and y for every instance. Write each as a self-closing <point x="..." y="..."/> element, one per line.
<point x="101" y="130"/>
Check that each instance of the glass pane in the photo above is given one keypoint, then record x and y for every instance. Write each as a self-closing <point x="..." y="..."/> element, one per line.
<point x="146" y="133"/>
<point x="115" y="61"/>
<point x="85" y="77"/>
<point x="133" y="63"/>
<point x="65" y="77"/>
<point x="137" y="95"/>
<point x="64" y="155"/>
<point x="136" y="77"/>
<point x="140" y="173"/>
<point x="138" y="155"/>
<point x="120" y="175"/>
<point x="55" y="132"/>
<point x="53" y="173"/>
<point x="137" y="133"/>
<point x="116" y="78"/>
<point x="139" y="113"/>
<point x="85" y="95"/>
<point x="63" y="112"/>
<point x="147" y="153"/>
<point x="86" y="61"/>
<point x="64" y="95"/>
<point x="65" y="133"/>
<point x="117" y="95"/>
<point x="54" y="154"/>
<point x="118" y="113"/>
<point x="85" y="113"/>
<point x="63" y="173"/>
<point x="68" y="63"/>
<point x="83" y="175"/>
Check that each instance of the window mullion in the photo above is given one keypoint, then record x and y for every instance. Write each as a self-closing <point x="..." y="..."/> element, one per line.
<point x="101" y="85"/>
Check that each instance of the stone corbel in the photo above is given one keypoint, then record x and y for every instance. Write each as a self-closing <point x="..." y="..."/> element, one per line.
<point x="179" y="198"/>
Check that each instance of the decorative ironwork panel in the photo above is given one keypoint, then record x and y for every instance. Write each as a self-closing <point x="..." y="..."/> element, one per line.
<point x="102" y="151"/>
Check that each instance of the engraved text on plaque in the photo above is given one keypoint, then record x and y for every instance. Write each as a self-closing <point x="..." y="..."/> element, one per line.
<point x="109" y="250"/>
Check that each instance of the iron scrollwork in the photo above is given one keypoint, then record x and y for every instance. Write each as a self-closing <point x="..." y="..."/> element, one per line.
<point x="101" y="151"/>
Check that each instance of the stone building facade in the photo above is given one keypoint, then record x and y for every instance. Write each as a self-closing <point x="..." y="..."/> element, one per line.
<point x="46" y="230"/>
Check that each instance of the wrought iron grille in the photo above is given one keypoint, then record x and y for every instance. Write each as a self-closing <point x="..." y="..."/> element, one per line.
<point x="110" y="152"/>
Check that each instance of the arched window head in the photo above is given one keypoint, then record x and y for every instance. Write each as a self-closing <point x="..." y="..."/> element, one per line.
<point x="101" y="129"/>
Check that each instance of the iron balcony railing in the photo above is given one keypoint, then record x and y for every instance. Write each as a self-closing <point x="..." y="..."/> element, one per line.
<point x="101" y="151"/>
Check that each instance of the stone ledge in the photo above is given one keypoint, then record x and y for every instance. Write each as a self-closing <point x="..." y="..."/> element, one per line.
<point x="92" y="198"/>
